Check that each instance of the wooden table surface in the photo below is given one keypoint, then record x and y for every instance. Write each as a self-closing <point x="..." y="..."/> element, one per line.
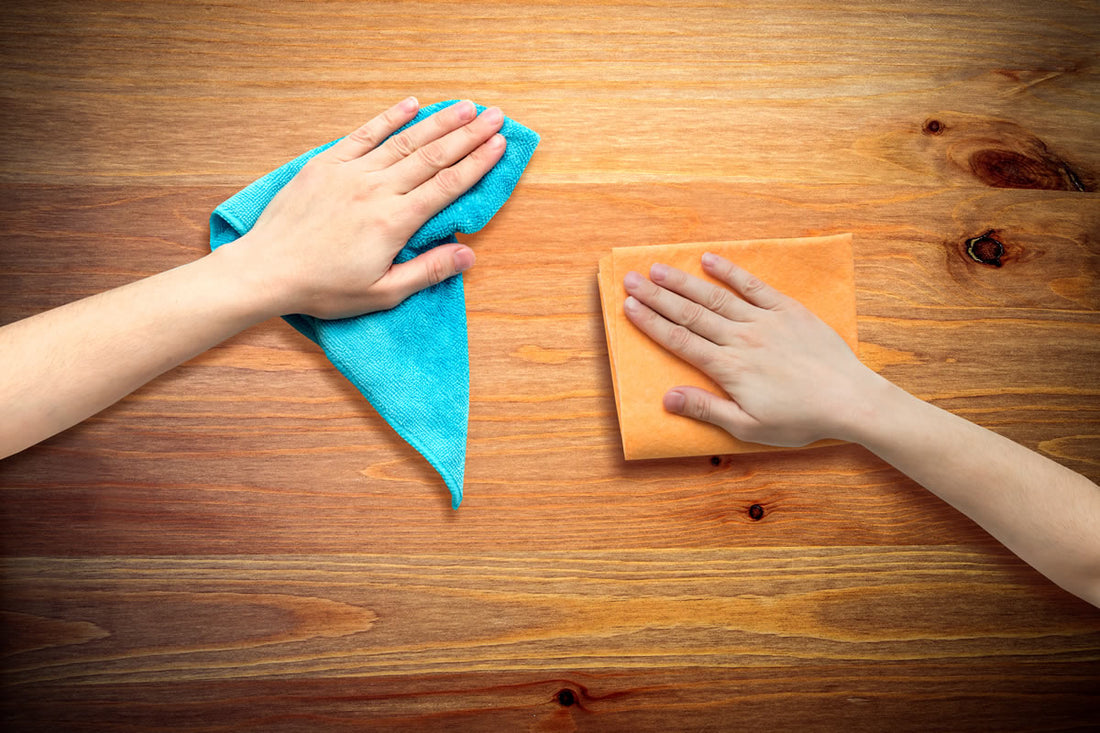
<point x="244" y="544"/>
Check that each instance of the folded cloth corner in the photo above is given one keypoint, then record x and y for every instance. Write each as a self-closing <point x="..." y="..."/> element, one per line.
<point x="411" y="362"/>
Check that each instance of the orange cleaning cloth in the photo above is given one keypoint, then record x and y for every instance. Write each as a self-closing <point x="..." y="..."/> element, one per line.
<point x="814" y="270"/>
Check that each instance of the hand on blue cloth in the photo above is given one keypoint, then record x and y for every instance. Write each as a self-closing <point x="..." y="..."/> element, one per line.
<point x="329" y="237"/>
<point x="365" y="225"/>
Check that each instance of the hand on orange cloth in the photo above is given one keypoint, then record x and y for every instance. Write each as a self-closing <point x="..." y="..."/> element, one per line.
<point x="818" y="271"/>
<point x="789" y="379"/>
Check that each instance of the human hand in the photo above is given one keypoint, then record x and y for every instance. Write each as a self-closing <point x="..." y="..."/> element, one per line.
<point x="325" y="244"/>
<point x="789" y="378"/>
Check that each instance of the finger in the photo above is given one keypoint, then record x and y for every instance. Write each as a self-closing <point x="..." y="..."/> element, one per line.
<point x="428" y="160"/>
<point x="687" y="313"/>
<point x="430" y="268"/>
<point x="712" y="297"/>
<point x="448" y="184"/>
<point x="690" y="347"/>
<point x="366" y="138"/>
<point x="752" y="288"/>
<point x="407" y="142"/>
<point x="705" y="406"/>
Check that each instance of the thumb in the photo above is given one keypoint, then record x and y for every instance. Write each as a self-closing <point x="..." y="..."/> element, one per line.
<point x="702" y="405"/>
<point x="424" y="270"/>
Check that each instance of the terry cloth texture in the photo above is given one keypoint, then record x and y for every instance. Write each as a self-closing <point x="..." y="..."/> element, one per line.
<point x="412" y="362"/>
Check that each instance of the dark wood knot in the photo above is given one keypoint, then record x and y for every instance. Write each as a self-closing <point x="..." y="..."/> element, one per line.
<point x="756" y="512"/>
<point x="715" y="461"/>
<point x="566" y="697"/>
<point x="985" y="249"/>
<point x="933" y="127"/>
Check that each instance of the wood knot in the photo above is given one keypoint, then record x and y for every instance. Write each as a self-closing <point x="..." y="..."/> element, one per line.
<point x="756" y="512"/>
<point x="566" y="697"/>
<point x="1008" y="169"/>
<point x="985" y="249"/>
<point x="715" y="461"/>
<point x="933" y="127"/>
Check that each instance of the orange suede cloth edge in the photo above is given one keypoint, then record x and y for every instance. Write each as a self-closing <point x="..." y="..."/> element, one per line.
<point x="818" y="271"/>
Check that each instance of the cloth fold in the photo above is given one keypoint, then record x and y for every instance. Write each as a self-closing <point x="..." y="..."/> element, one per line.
<point x="410" y="362"/>
<point x="818" y="271"/>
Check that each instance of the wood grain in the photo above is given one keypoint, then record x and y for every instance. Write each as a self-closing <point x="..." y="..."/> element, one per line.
<point x="243" y="544"/>
<point x="974" y="695"/>
<point x="548" y="638"/>
<point x="621" y="91"/>
<point x="364" y="614"/>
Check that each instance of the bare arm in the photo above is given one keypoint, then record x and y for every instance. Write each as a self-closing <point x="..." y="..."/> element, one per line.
<point x="791" y="380"/>
<point x="324" y="246"/>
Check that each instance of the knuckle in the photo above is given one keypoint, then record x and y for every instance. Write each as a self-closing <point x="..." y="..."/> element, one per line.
<point x="436" y="271"/>
<point x="752" y="284"/>
<point x="705" y="359"/>
<point x="718" y="299"/>
<point x="362" y="192"/>
<point x="416" y="208"/>
<point x="691" y="314"/>
<point x="421" y="208"/>
<point x="432" y="155"/>
<point x="698" y="408"/>
<point x="475" y="138"/>
<point x="752" y="338"/>
<point x="449" y="182"/>
<point x="479" y="155"/>
<point x="391" y="120"/>
<point x="364" y="135"/>
<point x="402" y="145"/>
<point x="678" y="339"/>
<point x="387" y="224"/>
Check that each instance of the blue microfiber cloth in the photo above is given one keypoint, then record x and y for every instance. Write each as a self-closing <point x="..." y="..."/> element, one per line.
<point x="412" y="362"/>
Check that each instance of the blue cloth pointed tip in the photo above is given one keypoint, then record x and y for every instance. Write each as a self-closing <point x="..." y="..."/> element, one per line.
<point x="412" y="362"/>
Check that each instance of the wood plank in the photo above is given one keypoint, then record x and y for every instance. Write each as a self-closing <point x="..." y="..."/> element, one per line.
<point x="119" y="620"/>
<point x="976" y="695"/>
<point x="757" y="91"/>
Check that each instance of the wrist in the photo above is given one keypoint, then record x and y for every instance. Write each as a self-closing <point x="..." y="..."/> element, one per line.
<point x="254" y="292"/>
<point x="872" y="402"/>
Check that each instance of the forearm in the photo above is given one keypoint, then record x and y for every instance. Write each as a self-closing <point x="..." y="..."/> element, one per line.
<point x="792" y="380"/>
<point x="1039" y="509"/>
<point x="66" y="364"/>
<point x="324" y="246"/>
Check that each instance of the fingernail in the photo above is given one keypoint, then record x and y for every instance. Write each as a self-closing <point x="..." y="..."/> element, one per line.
<point x="632" y="280"/>
<point x="466" y="110"/>
<point x="658" y="272"/>
<point x="630" y="304"/>
<point x="493" y="114"/>
<point x="497" y="141"/>
<point x="409" y="104"/>
<point x="709" y="260"/>
<point x="464" y="259"/>
<point x="675" y="401"/>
